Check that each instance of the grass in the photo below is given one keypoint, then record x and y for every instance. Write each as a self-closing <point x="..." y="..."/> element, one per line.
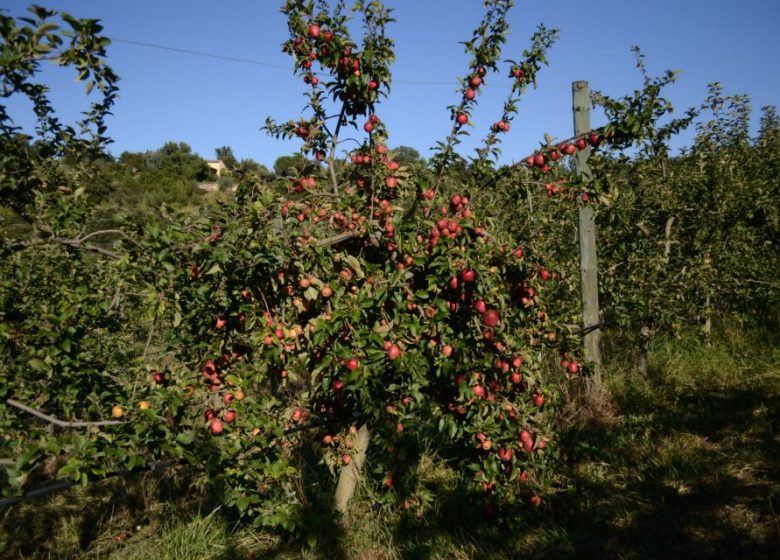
<point x="689" y="468"/>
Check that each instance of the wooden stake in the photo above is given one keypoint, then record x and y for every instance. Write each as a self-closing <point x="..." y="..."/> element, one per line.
<point x="587" y="234"/>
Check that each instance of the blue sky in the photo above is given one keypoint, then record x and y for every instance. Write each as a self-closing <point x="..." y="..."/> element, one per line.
<point x="209" y="102"/>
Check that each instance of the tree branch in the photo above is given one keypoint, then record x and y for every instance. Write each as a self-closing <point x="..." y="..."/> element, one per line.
<point x="336" y="238"/>
<point x="57" y="421"/>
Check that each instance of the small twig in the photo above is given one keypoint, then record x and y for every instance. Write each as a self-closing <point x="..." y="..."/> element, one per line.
<point x="57" y="421"/>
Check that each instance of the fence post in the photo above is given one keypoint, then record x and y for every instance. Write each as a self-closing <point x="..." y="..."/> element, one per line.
<point x="587" y="235"/>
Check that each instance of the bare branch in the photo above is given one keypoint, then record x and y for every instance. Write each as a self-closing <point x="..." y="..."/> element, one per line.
<point x="57" y="421"/>
<point x="77" y="243"/>
<point x="118" y="232"/>
<point x="336" y="238"/>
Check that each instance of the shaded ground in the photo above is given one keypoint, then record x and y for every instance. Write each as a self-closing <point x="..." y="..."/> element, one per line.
<point x="690" y="469"/>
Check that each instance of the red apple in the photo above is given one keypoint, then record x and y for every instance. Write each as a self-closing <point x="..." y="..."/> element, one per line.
<point x="314" y="31"/>
<point x="468" y="275"/>
<point x="353" y="364"/>
<point x="491" y="318"/>
<point x="393" y="352"/>
<point x="462" y="118"/>
<point x="216" y="427"/>
<point x="230" y="416"/>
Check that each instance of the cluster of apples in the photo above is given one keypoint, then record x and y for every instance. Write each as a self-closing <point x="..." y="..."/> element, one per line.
<point x="448" y="228"/>
<point x="213" y="374"/>
<point x="500" y="126"/>
<point x="301" y="183"/>
<point x="569" y="364"/>
<point x="540" y="159"/>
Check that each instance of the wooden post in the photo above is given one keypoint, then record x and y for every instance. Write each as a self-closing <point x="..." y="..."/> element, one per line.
<point x="587" y="234"/>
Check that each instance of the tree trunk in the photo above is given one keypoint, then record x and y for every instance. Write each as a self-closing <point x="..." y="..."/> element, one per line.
<point x="348" y="478"/>
<point x="644" y="345"/>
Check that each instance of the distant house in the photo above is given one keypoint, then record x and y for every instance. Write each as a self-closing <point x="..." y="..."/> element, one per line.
<point x="217" y="165"/>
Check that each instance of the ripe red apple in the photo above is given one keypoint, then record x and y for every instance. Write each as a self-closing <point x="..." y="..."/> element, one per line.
<point x="539" y="160"/>
<point x="544" y="274"/>
<point x="475" y="81"/>
<point x="337" y="385"/>
<point x="158" y="377"/>
<point x="230" y="416"/>
<point x="505" y="454"/>
<point x="327" y="439"/>
<point x="470" y="93"/>
<point x="538" y="400"/>
<point x="479" y="391"/>
<point x="480" y="306"/>
<point x="346" y="459"/>
<point x="368" y="127"/>
<point x="227" y="398"/>
<point x="446" y="350"/>
<point x="491" y="318"/>
<point x="353" y="364"/>
<point x="536" y="501"/>
<point x="462" y="118"/>
<point x="516" y="378"/>
<point x="528" y="445"/>
<point x="220" y="322"/>
<point x="393" y="352"/>
<point x="314" y="31"/>
<point x="216" y="427"/>
<point x="468" y="275"/>
<point x="581" y="144"/>
<point x="453" y="283"/>
<point x="573" y="367"/>
<point x="391" y="182"/>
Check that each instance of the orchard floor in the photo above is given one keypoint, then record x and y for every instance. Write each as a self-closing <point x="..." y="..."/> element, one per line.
<point x="688" y="468"/>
